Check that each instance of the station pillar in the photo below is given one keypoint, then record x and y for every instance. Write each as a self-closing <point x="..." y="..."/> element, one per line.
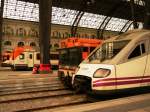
<point x="147" y="15"/>
<point x="45" y="10"/>
<point x="1" y="30"/>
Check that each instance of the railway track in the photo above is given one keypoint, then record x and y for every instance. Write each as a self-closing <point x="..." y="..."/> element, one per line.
<point x="25" y="75"/>
<point x="37" y="94"/>
<point x="22" y="84"/>
<point x="32" y="93"/>
<point x="31" y="88"/>
<point x="35" y="90"/>
<point x="35" y="103"/>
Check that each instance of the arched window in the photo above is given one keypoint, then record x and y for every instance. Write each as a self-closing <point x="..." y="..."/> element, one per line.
<point x="4" y="30"/>
<point x="63" y="36"/>
<point x="79" y="35"/>
<point x="9" y="31"/>
<point x="69" y="35"/>
<point x="93" y="36"/>
<point x="33" y="33"/>
<point x="59" y="35"/>
<point x="55" y="34"/>
<point x="33" y="44"/>
<point x="82" y="36"/>
<point x="66" y="35"/>
<point x="20" y="44"/>
<point x="50" y="46"/>
<point x="21" y="32"/>
<point x="86" y="36"/>
<point x="7" y="43"/>
<point x="56" y="45"/>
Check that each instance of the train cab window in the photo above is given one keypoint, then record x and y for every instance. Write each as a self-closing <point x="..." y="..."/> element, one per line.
<point x="92" y="48"/>
<point x="139" y="50"/>
<point x="21" y="57"/>
<point x="30" y="56"/>
<point x="54" y="56"/>
<point x="85" y="49"/>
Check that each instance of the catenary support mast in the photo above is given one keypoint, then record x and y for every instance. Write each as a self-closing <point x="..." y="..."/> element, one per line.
<point x="45" y="10"/>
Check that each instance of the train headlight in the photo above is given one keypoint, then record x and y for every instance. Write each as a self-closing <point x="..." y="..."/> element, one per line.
<point x="101" y="73"/>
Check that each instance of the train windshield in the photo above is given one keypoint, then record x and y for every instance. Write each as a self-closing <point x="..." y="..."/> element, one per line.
<point x="75" y="56"/>
<point x="64" y="56"/>
<point x="70" y="56"/>
<point x="54" y="56"/>
<point x="108" y="50"/>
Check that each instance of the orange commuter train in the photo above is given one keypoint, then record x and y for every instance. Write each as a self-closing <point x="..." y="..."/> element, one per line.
<point x="73" y="51"/>
<point x="26" y="58"/>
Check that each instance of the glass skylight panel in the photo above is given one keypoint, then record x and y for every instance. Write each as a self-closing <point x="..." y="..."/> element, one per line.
<point x="9" y="7"/>
<point x="63" y="16"/>
<point x="91" y="20"/>
<point x="138" y="2"/>
<point x="116" y="24"/>
<point x="15" y="9"/>
<point x="0" y="3"/>
<point x="21" y="10"/>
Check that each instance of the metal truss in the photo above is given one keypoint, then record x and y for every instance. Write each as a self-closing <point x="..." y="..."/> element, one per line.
<point x="126" y="26"/>
<point x="21" y="10"/>
<point x="107" y="20"/>
<point x="76" y="23"/>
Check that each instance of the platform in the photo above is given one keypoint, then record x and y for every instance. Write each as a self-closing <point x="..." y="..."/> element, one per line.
<point x="19" y="82"/>
<point x="138" y="103"/>
<point x="5" y="68"/>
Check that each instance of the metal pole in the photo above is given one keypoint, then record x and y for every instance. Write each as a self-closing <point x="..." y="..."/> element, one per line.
<point x="45" y="10"/>
<point x="1" y="30"/>
<point x="147" y="15"/>
<point x="135" y="25"/>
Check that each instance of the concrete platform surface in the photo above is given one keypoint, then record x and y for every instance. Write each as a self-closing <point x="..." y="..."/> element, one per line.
<point x="5" y="68"/>
<point x="7" y="73"/>
<point x="138" y="103"/>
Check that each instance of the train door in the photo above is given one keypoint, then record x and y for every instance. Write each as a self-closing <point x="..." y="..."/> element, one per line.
<point x="85" y="52"/>
<point x="129" y="74"/>
<point x="36" y="58"/>
<point x="30" y="60"/>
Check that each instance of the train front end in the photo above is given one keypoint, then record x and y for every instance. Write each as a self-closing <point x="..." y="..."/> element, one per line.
<point x="97" y="72"/>
<point x="95" y="78"/>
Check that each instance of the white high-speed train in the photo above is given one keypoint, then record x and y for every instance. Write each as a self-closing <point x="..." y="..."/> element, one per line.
<point x="120" y="63"/>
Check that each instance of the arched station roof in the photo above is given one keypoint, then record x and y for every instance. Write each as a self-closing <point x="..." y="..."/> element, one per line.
<point x="65" y="12"/>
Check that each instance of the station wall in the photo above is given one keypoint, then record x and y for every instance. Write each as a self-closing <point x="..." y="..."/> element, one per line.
<point x="19" y="33"/>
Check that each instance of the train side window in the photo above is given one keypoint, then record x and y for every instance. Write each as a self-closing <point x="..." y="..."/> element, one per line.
<point x="21" y="57"/>
<point x="139" y="50"/>
<point x="143" y="48"/>
<point x="38" y="56"/>
<point x="30" y="56"/>
<point x="136" y="52"/>
<point x="92" y="48"/>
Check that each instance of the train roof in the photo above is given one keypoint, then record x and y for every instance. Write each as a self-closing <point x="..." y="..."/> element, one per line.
<point x="130" y="35"/>
<point x="75" y="41"/>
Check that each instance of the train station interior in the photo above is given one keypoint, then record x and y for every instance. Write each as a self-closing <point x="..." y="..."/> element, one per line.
<point x="74" y="55"/>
